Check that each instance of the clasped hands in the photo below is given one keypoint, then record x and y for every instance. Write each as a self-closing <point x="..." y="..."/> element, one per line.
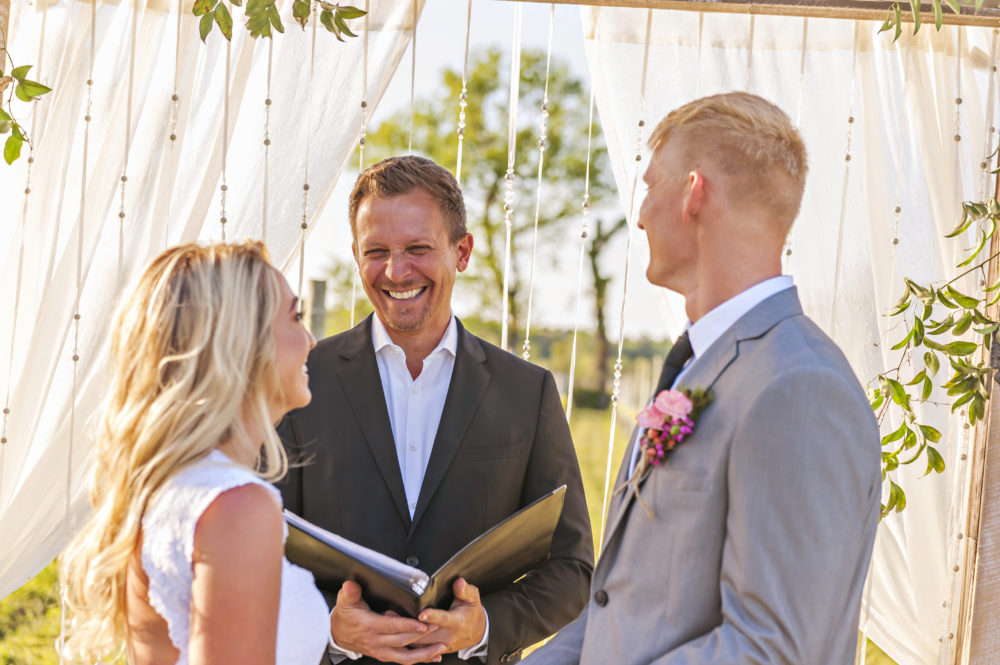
<point x="392" y="638"/>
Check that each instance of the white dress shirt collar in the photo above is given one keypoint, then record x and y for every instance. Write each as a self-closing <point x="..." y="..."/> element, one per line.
<point x="705" y="331"/>
<point x="449" y="341"/>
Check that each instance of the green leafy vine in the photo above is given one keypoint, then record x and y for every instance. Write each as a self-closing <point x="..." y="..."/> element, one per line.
<point x="894" y="21"/>
<point x="932" y="315"/>
<point x="262" y="17"/>
<point x="15" y="84"/>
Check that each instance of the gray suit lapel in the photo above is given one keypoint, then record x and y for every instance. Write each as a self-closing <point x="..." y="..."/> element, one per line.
<point x="709" y="367"/>
<point x="360" y="380"/>
<point x="465" y="392"/>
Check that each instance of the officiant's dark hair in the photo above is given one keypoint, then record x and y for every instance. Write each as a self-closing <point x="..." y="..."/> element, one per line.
<point x="397" y="176"/>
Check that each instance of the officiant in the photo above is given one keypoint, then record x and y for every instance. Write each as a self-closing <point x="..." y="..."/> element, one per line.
<point x="420" y="436"/>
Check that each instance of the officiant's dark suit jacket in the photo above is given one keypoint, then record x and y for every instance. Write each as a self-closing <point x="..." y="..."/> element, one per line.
<point x="503" y="442"/>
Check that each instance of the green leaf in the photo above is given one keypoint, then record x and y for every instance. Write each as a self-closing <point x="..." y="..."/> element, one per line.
<point x="983" y="239"/>
<point x="910" y="439"/>
<point x="5" y="116"/>
<point x="349" y="12"/>
<point x="5" y="126"/>
<point x="988" y="330"/>
<point x="20" y="93"/>
<point x="977" y="409"/>
<point x="963" y="324"/>
<point x="918" y="331"/>
<point x="34" y="88"/>
<point x="895" y="435"/>
<point x="300" y="10"/>
<point x="930" y="433"/>
<point x="928" y="388"/>
<point x="877" y="400"/>
<point x="202" y="7"/>
<point x="903" y="342"/>
<point x="960" y="348"/>
<point x="255" y="8"/>
<point x="272" y="13"/>
<point x="943" y="326"/>
<point x="934" y="461"/>
<point x="12" y="148"/>
<point x="961" y="401"/>
<point x="962" y="299"/>
<point x="918" y="378"/>
<point x="937" y="14"/>
<point x="954" y="6"/>
<point x="979" y="5"/>
<point x="238" y="3"/>
<point x="342" y="25"/>
<point x="205" y="26"/>
<point x="326" y="18"/>
<point x="915" y="10"/>
<point x="896" y="391"/>
<point x="259" y="25"/>
<point x="225" y="21"/>
<point x="21" y="73"/>
<point x="944" y="301"/>
<point x="932" y="363"/>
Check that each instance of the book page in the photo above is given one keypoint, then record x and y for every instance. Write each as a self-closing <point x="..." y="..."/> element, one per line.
<point x="397" y="571"/>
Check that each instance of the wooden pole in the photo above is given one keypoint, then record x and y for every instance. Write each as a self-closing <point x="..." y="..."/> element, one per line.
<point x="5" y="25"/>
<point x="870" y="10"/>
<point x="978" y="639"/>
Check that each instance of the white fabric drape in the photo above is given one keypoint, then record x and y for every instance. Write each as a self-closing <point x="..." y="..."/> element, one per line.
<point x="914" y="82"/>
<point x="172" y="195"/>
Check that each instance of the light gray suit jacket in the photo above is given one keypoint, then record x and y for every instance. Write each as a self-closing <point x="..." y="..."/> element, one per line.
<point x="764" y="517"/>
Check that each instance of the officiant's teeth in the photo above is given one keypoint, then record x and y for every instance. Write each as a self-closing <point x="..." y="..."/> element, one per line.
<point x="404" y="295"/>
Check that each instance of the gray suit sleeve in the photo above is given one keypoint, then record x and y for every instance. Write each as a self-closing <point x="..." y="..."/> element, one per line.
<point x="804" y="494"/>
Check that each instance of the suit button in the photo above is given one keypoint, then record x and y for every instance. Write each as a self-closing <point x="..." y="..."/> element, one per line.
<point x="601" y="597"/>
<point x="412" y="560"/>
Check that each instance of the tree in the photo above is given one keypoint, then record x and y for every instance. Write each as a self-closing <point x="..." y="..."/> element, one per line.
<point x="484" y="168"/>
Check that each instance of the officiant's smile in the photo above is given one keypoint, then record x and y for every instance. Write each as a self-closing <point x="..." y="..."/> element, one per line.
<point x="408" y="262"/>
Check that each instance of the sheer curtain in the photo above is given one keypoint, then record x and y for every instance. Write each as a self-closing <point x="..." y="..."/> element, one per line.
<point x="67" y="232"/>
<point x="908" y="101"/>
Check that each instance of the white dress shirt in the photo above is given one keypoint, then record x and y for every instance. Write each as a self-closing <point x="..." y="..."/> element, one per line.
<point x="704" y="332"/>
<point x="415" y="407"/>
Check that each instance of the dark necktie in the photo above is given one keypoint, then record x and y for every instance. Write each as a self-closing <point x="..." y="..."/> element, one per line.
<point x="679" y="354"/>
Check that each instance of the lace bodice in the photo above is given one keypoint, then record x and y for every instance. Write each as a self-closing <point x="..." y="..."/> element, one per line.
<point x="168" y="543"/>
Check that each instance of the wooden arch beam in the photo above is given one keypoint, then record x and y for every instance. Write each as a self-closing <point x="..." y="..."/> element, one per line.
<point x="873" y="10"/>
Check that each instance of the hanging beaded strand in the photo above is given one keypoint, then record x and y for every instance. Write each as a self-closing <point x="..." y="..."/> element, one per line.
<point x="304" y="224"/>
<point x="988" y="147"/>
<point x="175" y="99"/>
<point x="508" y="187"/>
<point x="463" y="97"/>
<point x="18" y="282"/>
<point x="542" y="135"/>
<point x="900" y="146"/>
<point x="79" y="291"/>
<point x="616" y="391"/>
<point x="267" y="144"/>
<point x="413" y="76"/>
<point x="128" y="140"/>
<point x="847" y="173"/>
<point x="223" y="188"/>
<point x="787" y="253"/>
<point x="361" y="147"/>
<point x="584" y="235"/>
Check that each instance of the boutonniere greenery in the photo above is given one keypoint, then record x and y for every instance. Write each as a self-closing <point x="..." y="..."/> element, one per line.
<point x="669" y="420"/>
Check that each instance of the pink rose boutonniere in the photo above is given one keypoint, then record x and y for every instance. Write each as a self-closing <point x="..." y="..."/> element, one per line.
<point x="669" y="420"/>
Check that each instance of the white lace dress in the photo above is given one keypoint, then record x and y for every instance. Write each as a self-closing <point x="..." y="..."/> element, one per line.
<point x="168" y="543"/>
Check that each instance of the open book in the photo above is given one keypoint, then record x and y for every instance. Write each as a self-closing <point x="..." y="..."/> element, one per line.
<point x="494" y="559"/>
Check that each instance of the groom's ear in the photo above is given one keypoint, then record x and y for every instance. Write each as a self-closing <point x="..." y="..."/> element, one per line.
<point x="695" y="198"/>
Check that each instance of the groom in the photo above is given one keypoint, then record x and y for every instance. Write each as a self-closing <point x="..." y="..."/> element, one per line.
<point x="749" y="543"/>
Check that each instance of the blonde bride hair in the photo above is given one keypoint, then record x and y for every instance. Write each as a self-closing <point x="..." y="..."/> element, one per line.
<point x="193" y="366"/>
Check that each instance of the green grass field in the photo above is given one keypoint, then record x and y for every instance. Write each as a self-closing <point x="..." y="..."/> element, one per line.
<point x="29" y="618"/>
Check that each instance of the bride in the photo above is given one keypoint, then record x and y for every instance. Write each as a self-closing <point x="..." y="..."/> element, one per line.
<point x="182" y="561"/>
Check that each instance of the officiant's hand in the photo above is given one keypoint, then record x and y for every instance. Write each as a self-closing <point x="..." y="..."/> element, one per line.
<point x="381" y="636"/>
<point x="459" y="627"/>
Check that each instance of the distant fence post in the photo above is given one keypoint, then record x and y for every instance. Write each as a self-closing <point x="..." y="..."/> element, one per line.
<point x="317" y="307"/>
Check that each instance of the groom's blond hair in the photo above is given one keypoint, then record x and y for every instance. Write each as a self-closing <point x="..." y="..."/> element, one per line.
<point x="751" y="140"/>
